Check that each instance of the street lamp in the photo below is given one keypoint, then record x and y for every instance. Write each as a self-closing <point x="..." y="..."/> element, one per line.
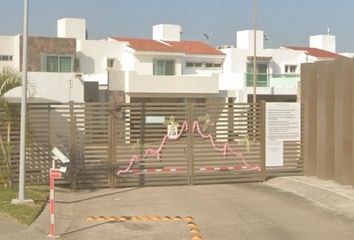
<point x="254" y="51"/>
<point x="22" y="169"/>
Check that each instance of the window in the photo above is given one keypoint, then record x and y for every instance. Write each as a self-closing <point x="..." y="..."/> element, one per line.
<point x="194" y="64"/>
<point x="58" y="63"/>
<point x="290" y="68"/>
<point x="198" y="65"/>
<point x="261" y="72"/>
<point x="213" y="65"/>
<point x="202" y="65"/>
<point x="164" y="67"/>
<point x="5" y="57"/>
<point x="190" y="64"/>
<point x="110" y="62"/>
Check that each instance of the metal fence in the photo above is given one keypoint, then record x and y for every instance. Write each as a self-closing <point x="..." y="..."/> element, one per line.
<point x="216" y="143"/>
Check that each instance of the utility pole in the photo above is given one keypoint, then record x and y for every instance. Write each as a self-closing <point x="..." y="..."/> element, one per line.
<point x="22" y="169"/>
<point x="254" y="51"/>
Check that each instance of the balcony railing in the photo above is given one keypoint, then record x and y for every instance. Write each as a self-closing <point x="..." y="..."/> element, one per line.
<point x="273" y="80"/>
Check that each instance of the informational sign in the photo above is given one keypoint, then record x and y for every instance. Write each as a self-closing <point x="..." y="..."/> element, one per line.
<point x="154" y="119"/>
<point x="55" y="173"/>
<point x="283" y="123"/>
<point x="172" y="131"/>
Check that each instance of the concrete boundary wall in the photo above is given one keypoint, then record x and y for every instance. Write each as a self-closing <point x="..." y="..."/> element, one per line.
<point x="327" y="95"/>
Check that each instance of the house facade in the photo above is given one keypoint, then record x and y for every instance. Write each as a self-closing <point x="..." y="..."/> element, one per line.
<point x="70" y="67"/>
<point x="277" y="70"/>
<point x="166" y="68"/>
<point x="51" y="68"/>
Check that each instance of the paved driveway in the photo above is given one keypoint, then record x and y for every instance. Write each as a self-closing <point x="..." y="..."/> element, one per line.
<point x="234" y="211"/>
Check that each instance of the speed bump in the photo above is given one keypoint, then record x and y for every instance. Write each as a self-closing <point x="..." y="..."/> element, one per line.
<point x="122" y="219"/>
<point x="194" y="230"/>
<point x="91" y="219"/>
<point x="156" y="218"/>
<point x="189" y="219"/>
<point x="177" y="218"/>
<point x="196" y="237"/>
<point x="192" y="226"/>
<point x="166" y="218"/>
<point x="145" y="218"/>
<point x="102" y="219"/>
<point x="112" y="219"/>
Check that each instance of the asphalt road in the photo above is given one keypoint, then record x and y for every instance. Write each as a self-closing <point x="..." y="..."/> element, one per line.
<point x="221" y="212"/>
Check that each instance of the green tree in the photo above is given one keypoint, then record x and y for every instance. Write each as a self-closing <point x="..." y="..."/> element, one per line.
<point x="9" y="79"/>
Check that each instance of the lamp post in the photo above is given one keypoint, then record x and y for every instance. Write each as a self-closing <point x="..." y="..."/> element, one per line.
<point x="254" y="51"/>
<point x="22" y="168"/>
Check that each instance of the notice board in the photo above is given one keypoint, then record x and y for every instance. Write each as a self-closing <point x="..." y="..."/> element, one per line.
<point x="283" y="123"/>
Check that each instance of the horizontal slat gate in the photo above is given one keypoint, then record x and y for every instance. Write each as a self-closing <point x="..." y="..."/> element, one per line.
<point x="102" y="138"/>
<point x="233" y="126"/>
<point x="135" y="136"/>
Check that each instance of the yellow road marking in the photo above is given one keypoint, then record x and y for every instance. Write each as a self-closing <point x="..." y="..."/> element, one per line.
<point x="193" y="227"/>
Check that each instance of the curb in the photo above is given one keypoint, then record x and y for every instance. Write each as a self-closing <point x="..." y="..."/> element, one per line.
<point x="328" y="194"/>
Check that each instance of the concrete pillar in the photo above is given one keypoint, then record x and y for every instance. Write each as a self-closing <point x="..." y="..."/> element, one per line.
<point x="308" y="99"/>
<point x="325" y="120"/>
<point x="344" y="121"/>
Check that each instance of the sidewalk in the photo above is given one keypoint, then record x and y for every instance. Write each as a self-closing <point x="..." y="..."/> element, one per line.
<point x="326" y="193"/>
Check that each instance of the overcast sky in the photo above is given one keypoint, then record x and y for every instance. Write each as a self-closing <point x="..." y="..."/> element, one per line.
<point x="285" y="22"/>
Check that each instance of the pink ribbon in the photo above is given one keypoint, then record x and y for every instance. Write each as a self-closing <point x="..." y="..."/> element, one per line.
<point x="226" y="149"/>
<point x="154" y="152"/>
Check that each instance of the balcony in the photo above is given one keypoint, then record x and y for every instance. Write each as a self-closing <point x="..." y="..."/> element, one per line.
<point x="273" y="80"/>
<point x="131" y="82"/>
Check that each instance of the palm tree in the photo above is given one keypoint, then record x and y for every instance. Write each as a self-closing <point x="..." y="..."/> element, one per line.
<point x="9" y="79"/>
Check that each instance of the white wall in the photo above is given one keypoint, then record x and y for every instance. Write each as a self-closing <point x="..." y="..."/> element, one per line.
<point x="51" y="87"/>
<point x="166" y="32"/>
<point x="143" y="64"/>
<point x="325" y="42"/>
<point x="7" y="47"/>
<point x="17" y="51"/>
<point x="245" y="39"/>
<point x="93" y="56"/>
<point x="135" y="83"/>
<point x="71" y="28"/>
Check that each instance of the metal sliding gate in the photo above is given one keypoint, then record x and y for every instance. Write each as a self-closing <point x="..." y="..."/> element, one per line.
<point x="125" y="145"/>
<point x="217" y="143"/>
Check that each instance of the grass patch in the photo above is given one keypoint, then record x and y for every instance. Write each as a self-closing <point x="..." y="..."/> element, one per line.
<point x="24" y="214"/>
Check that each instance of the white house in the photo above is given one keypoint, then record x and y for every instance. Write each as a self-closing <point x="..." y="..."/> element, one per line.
<point x="166" y="67"/>
<point x="70" y="67"/>
<point x="278" y="70"/>
<point x="52" y="73"/>
<point x="130" y="68"/>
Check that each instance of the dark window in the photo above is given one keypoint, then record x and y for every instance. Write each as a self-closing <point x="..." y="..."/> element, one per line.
<point x="164" y="67"/>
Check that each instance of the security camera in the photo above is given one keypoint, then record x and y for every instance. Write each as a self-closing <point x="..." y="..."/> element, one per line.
<point x="60" y="155"/>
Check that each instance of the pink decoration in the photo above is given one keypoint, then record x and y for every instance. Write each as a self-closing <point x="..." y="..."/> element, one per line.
<point x="154" y="152"/>
<point x="226" y="149"/>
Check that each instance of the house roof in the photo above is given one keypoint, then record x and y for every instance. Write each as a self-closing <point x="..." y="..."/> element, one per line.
<point x="188" y="47"/>
<point x="315" y="52"/>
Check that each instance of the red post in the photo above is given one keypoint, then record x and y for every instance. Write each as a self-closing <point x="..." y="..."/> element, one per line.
<point x="54" y="174"/>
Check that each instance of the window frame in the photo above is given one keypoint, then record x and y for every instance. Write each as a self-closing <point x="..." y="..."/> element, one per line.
<point x="288" y="68"/>
<point x="164" y="61"/>
<point x="110" y="62"/>
<point x="6" y="58"/>
<point x="59" y="67"/>
<point x="262" y="78"/>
